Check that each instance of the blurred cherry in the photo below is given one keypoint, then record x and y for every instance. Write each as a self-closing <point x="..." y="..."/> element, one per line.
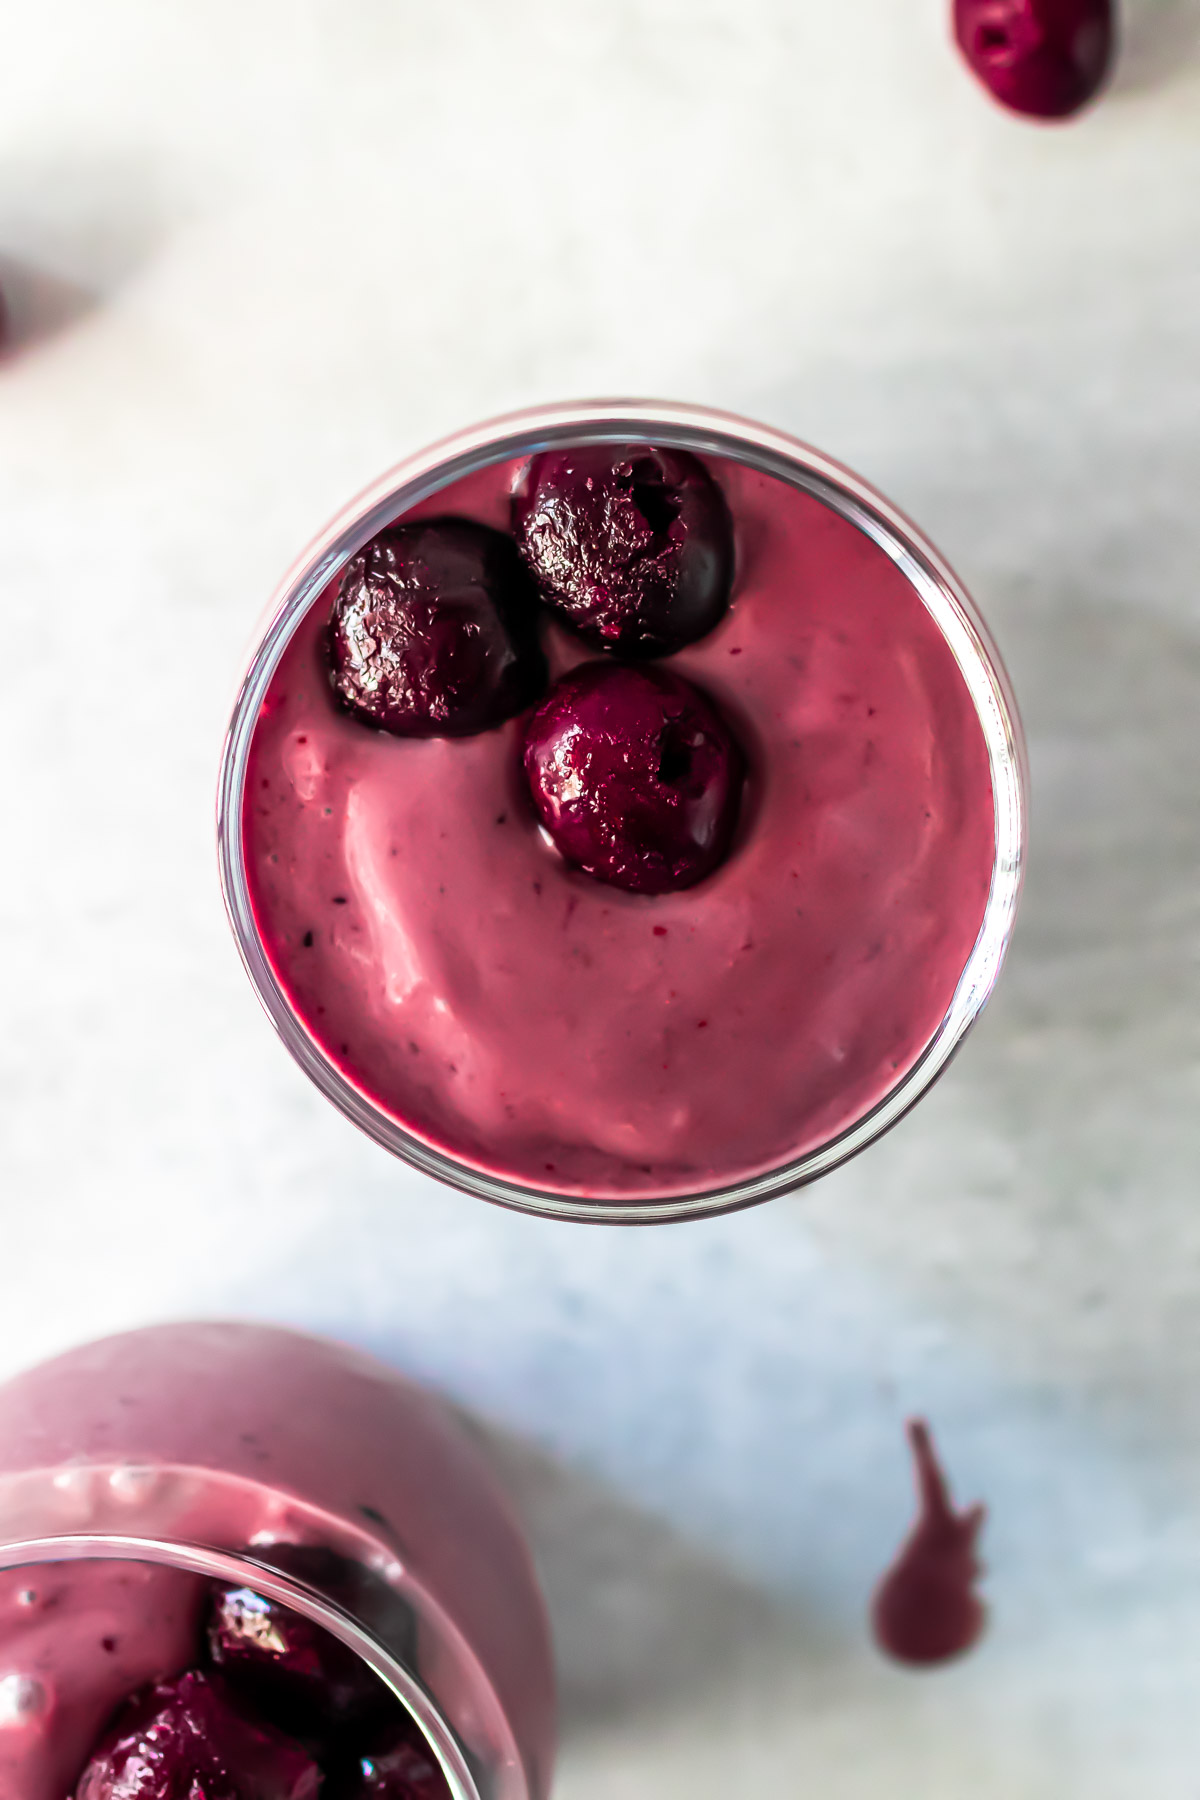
<point x="1043" y="58"/>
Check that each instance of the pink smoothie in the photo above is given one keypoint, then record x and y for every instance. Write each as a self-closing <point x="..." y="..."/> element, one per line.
<point x="558" y="1032"/>
<point x="235" y="1436"/>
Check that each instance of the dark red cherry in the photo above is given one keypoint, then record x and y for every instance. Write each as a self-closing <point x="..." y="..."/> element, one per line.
<point x="292" y="1672"/>
<point x="635" y="775"/>
<point x="633" y="546"/>
<point x="186" y="1740"/>
<point x="926" y="1609"/>
<point x="1044" y="58"/>
<point x="400" y="1766"/>
<point x="434" y="633"/>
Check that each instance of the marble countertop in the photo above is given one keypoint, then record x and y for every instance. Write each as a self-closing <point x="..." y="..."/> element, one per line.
<point x="256" y="252"/>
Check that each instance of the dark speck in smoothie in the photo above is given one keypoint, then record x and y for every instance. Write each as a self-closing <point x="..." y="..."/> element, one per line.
<point x="340" y="900"/>
<point x="108" y="1645"/>
<point x="660" y="931"/>
<point x="307" y="940"/>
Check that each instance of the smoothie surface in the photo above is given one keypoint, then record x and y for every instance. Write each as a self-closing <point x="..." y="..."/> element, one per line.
<point x="555" y="1031"/>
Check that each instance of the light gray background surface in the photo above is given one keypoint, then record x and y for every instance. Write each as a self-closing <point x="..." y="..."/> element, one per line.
<point x="268" y="246"/>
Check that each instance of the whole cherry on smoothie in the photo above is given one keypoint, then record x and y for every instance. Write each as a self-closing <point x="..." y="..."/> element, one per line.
<point x="433" y="632"/>
<point x="635" y="775"/>
<point x="632" y="547"/>
<point x="1043" y="58"/>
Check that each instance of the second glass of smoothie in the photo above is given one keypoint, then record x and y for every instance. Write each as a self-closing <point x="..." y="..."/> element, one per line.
<point x="617" y="1033"/>
<point x="235" y="1559"/>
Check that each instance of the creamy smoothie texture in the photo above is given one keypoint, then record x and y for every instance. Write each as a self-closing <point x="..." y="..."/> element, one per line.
<point x="558" y="1031"/>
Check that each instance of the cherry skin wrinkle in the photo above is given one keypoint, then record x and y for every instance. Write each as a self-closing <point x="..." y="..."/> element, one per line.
<point x="926" y="1610"/>
<point x="1043" y="58"/>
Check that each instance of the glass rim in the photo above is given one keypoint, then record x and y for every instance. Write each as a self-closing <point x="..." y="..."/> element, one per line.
<point x="703" y="431"/>
<point x="243" y="1569"/>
